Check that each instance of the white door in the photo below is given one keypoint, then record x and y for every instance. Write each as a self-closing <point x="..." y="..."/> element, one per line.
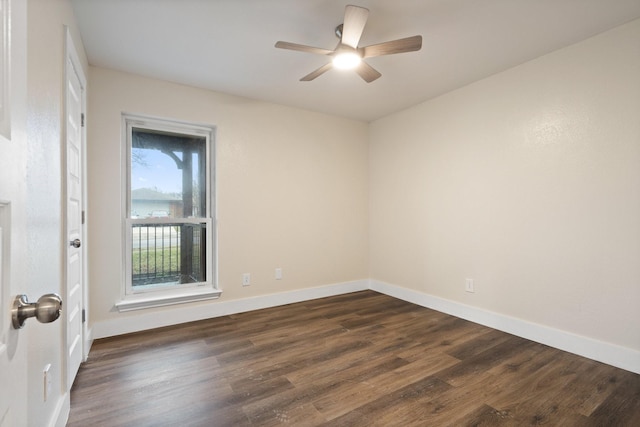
<point x="74" y="299"/>
<point x="13" y="258"/>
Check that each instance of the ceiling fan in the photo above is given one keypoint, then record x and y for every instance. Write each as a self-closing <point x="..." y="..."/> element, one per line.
<point x="347" y="55"/>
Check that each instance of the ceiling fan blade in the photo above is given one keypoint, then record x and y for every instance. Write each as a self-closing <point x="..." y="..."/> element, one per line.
<point x="303" y="48"/>
<point x="367" y="72"/>
<point x="409" y="44"/>
<point x="312" y="75"/>
<point x="355" y="18"/>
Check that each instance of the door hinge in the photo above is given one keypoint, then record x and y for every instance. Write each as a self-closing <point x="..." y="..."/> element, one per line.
<point x="84" y="315"/>
<point x="82" y="119"/>
<point x="82" y="217"/>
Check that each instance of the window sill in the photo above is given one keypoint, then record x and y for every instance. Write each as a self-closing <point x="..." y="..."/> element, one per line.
<point x="141" y="302"/>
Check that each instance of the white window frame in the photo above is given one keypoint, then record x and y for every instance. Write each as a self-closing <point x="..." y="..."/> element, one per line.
<point x="171" y="294"/>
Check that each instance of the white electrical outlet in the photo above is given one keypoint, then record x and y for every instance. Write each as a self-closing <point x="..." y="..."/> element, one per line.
<point x="278" y="273"/>
<point x="246" y="279"/>
<point x="468" y="285"/>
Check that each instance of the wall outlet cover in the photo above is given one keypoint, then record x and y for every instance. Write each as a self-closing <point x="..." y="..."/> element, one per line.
<point x="468" y="285"/>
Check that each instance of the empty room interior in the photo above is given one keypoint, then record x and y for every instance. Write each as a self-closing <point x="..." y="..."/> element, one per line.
<point x="240" y="232"/>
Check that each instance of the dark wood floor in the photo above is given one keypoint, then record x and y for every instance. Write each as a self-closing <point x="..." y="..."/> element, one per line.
<point x="362" y="359"/>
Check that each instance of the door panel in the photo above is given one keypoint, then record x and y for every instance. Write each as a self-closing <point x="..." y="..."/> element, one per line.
<point x="7" y="363"/>
<point x="74" y="259"/>
<point x="13" y="167"/>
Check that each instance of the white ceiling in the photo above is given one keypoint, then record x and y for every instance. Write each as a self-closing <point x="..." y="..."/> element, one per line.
<point x="228" y="45"/>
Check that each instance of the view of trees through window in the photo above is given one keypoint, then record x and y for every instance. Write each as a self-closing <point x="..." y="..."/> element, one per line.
<point x="167" y="192"/>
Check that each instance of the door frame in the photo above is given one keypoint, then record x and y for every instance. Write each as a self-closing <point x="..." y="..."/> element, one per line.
<point x="74" y="65"/>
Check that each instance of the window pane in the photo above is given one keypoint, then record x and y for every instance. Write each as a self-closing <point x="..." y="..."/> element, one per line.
<point x="168" y="254"/>
<point x="168" y="175"/>
<point x="167" y="183"/>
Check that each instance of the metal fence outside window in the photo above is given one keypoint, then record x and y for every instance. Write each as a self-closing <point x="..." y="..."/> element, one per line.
<point x="168" y="253"/>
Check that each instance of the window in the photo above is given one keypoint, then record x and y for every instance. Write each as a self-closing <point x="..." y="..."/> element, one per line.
<point x="168" y="219"/>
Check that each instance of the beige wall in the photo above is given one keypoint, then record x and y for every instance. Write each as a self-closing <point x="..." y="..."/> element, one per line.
<point x="45" y="86"/>
<point x="292" y="190"/>
<point x="529" y="183"/>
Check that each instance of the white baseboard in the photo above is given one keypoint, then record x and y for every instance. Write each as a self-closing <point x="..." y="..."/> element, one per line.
<point x="190" y="313"/>
<point x="601" y="351"/>
<point x="61" y="413"/>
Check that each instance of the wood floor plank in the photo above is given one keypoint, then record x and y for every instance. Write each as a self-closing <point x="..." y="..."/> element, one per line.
<point x="622" y="406"/>
<point x="475" y="365"/>
<point x="348" y="366"/>
<point x="402" y="407"/>
<point x="360" y="359"/>
<point x="359" y="394"/>
<point x="477" y="345"/>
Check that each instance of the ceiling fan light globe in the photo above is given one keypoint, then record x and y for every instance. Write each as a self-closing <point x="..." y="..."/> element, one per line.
<point x="346" y="60"/>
